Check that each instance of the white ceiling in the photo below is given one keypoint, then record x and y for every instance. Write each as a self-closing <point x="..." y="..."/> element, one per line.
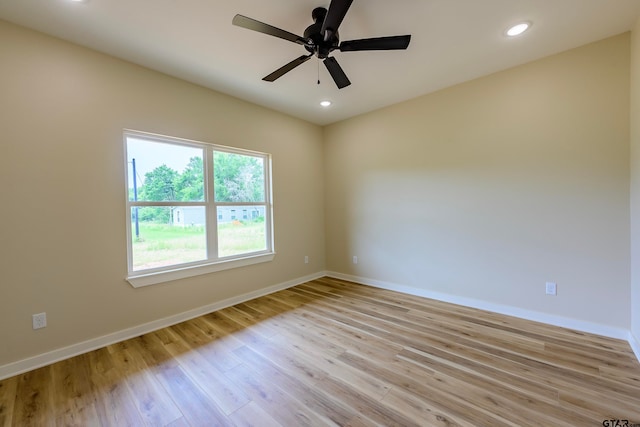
<point x="452" y="41"/>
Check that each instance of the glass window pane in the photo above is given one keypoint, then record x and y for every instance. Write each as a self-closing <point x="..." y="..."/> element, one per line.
<point x="162" y="236"/>
<point x="238" y="178"/>
<point x="240" y="236"/>
<point x="164" y="172"/>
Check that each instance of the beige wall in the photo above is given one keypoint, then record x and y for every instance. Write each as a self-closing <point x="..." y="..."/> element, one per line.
<point x="62" y="112"/>
<point x="635" y="182"/>
<point x="488" y="189"/>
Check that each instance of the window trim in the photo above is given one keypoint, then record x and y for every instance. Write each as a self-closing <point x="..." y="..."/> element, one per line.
<point x="185" y="270"/>
<point x="212" y="263"/>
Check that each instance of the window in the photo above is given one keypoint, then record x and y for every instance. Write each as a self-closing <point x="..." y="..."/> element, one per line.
<point x="182" y="198"/>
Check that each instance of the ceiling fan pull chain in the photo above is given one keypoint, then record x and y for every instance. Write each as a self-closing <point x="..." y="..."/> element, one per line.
<point x="318" y="62"/>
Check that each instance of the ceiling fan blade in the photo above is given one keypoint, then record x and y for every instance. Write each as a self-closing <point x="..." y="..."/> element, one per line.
<point x="378" y="43"/>
<point x="336" y="72"/>
<point x="285" y="69"/>
<point x="261" y="27"/>
<point x="335" y="14"/>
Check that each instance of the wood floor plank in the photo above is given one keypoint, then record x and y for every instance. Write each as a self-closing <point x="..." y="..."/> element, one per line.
<point x="34" y="401"/>
<point x="595" y="405"/>
<point x="196" y="407"/>
<point x="252" y="415"/>
<point x="180" y="422"/>
<point x="621" y="373"/>
<point x="489" y="394"/>
<point x="203" y="372"/>
<point x="304" y="389"/>
<point x="366" y="406"/>
<point x="421" y="412"/>
<point x="284" y="408"/>
<point x="331" y="352"/>
<point x="73" y="397"/>
<point x="114" y="402"/>
<point x="218" y="348"/>
<point x="149" y="397"/>
<point x="364" y="382"/>
<point x="153" y="351"/>
<point x="204" y="340"/>
<point x="8" y="390"/>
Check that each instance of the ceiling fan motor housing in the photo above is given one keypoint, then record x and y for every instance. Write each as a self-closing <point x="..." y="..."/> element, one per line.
<point x="319" y="46"/>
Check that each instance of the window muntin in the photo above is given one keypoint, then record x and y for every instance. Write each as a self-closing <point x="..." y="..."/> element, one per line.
<point x="181" y="196"/>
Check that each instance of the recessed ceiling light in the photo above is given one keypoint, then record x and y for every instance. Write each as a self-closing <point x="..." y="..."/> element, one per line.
<point x="518" y="29"/>
<point x="325" y="104"/>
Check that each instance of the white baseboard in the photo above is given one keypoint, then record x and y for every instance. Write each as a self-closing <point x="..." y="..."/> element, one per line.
<point x="579" y="325"/>
<point x="25" y="365"/>
<point x="635" y="345"/>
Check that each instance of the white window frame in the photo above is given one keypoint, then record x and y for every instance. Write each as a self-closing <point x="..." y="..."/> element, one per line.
<point x="213" y="263"/>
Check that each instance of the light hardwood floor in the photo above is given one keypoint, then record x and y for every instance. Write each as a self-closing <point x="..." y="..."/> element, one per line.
<point x="330" y="352"/>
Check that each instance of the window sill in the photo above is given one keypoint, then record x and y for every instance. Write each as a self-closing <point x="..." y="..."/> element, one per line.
<point x="140" y="280"/>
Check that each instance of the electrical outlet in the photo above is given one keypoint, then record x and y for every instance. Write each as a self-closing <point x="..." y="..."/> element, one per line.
<point x="39" y="320"/>
<point x="552" y="288"/>
<point x="306" y="259"/>
<point x="355" y="259"/>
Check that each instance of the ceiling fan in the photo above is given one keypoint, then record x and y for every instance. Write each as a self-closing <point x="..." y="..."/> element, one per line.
<point x="321" y="38"/>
